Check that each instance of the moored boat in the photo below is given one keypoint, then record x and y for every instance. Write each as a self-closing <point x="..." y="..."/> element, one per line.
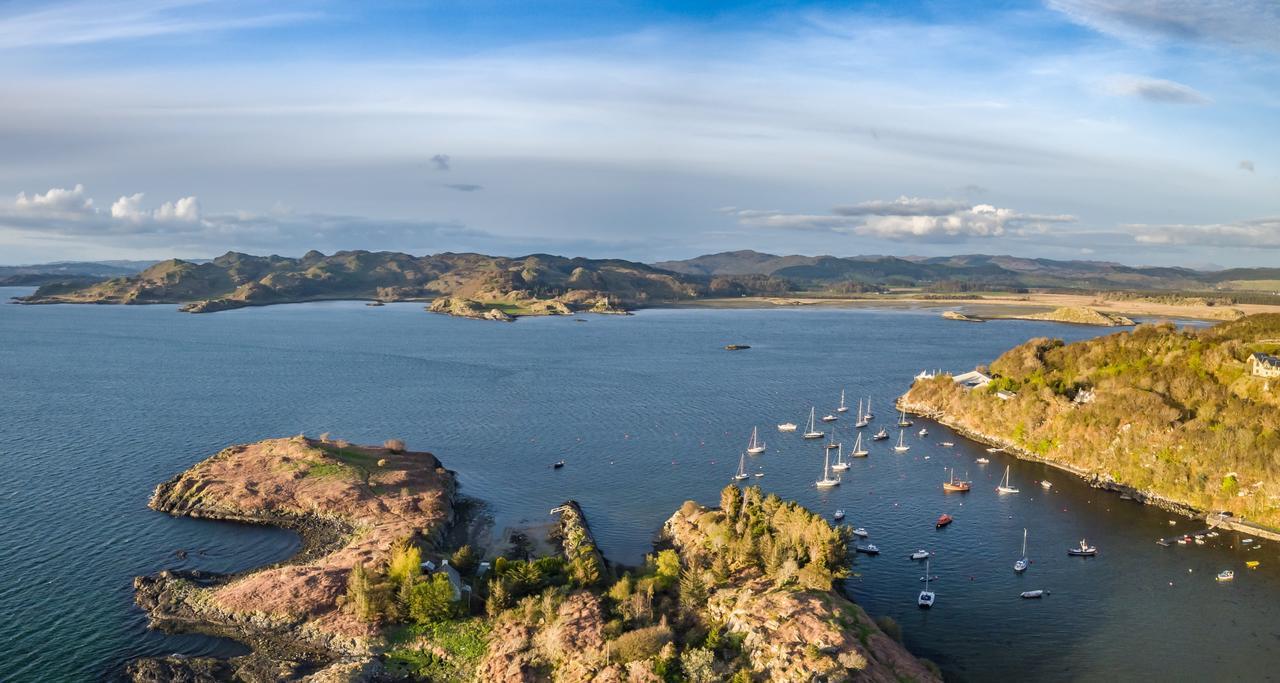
<point x="742" y="468"/>
<point x="842" y="408"/>
<point x="1031" y="595"/>
<point x="880" y="435"/>
<point x="827" y="481"/>
<point x="955" y="485"/>
<point x="1226" y="575"/>
<point x="812" y="431"/>
<point x="755" y="446"/>
<point x="902" y="447"/>
<point x="1005" y="485"/>
<point x="867" y="549"/>
<point x="982" y="461"/>
<point x="1022" y="563"/>
<point x="943" y="520"/>
<point x="787" y="427"/>
<point x="1083" y="550"/>
<point x="839" y="515"/>
<point x="1046" y="484"/>
<point x="859" y="451"/>
<point x="927" y="597"/>
<point x="921" y="554"/>
<point x="860" y="532"/>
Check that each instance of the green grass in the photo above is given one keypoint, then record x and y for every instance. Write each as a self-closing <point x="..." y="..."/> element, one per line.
<point x="463" y="641"/>
<point x="329" y="469"/>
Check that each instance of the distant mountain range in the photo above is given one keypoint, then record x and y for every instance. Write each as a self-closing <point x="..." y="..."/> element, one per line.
<point x="543" y="283"/>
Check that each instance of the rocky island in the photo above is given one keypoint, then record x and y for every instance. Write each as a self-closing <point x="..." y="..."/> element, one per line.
<point x="378" y="593"/>
<point x="1187" y="419"/>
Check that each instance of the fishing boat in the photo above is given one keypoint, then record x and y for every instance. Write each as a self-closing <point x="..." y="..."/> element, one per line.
<point x="812" y="431"/>
<point x="927" y="596"/>
<point x="742" y="468"/>
<point x="1045" y="483"/>
<point x="859" y="451"/>
<point x="982" y="461"/>
<point x="955" y="485"/>
<point x="867" y="549"/>
<point x="830" y="418"/>
<point x="787" y="427"/>
<point x="1226" y="575"/>
<point x="943" y="520"/>
<point x="557" y="464"/>
<point x="1005" y="485"/>
<point x="755" y="446"/>
<point x="1084" y="550"/>
<point x="1022" y="563"/>
<point x="1031" y="595"/>
<point x="921" y="554"/>
<point x="880" y="435"/>
<point x="901" y="447"/>
<point x="860" y="532"/>
<point x="903" y="421"/>
<point x="827" y="481"/>
<point x="840" y="464"/>
<point x="843" y="408"/>
<point x="923" y="432"/>
<point x="839" y="515"/>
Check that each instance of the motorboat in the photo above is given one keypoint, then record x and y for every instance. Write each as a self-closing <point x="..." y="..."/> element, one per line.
<point x="830" y="418"/>
<point x="557" y="464"/>
<point x="995" y="450"/>
<point x="1046" y="484"/>
<point x="982" y="461"/>
<point x="755" y="446"/>
<point x="880" y="435"/>
<point x="923" y="432"/>
<point x="839" y="515"/>
<point x="944" y="520"/>
<point x="1252" y="564"/>
<point x="1083" y="550"/>
<point x="920" y="555"/>
<point x="1226" y="575"/>
<point x="947" y="444"/>
<point x="1032" y="595"/>
<point x="860" y="532"/>
<point x="787" y="427"/>
<point x="927" y="596"/>
<point x="867" y="549"/>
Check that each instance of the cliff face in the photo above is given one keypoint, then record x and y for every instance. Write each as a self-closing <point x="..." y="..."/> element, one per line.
<point x="350" y="504"/>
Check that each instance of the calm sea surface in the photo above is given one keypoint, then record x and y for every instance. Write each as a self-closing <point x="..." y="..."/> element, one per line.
<point x="101" y="403"/>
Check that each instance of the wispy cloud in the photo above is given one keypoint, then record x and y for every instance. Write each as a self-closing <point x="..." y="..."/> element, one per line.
<point x="441" y="162"/>
<point x="464" y="187"/>
<point x="1244" y="23"/>
<point x="1260" y="233"/>
<point x="1155" y="90"/>
<point x="907" y="218"/>
<point x="1246" y="165"/>
<point x="82" y="22"/>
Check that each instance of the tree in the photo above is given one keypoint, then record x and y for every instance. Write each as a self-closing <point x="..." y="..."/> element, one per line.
<point x="359" y="597"/>
<point x="731" y="501"/>
<point x="693" y="591"/>
<point x="432" y="600"/>
<point x="499" y="597"/>
<point x="699" y="665"/>
<point x="668" y="569"/>
<point x="464" y="560"/>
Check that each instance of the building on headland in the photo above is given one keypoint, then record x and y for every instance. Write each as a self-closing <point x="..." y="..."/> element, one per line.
<point x="1264" y="365"/>
<point x="972" y="380"/>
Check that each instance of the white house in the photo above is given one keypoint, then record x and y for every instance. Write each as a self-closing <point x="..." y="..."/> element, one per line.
<point x="1264" y="365"/>
<point x="972" y="380"/>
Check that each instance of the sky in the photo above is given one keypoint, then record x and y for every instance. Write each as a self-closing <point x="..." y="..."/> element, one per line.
<point x="1140" y="131"/>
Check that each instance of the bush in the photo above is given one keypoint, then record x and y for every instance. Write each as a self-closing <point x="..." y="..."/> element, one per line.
<point x="699" y="666"/>
<point x="641" y="643"/>
<point x="464" y="560"/>
<point x="394" y="445"/>
<point x="432" y="600"/>
<point x="890" y="627"/>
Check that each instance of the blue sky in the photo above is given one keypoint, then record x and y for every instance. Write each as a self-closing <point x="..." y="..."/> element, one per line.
<point x="1141" y="131"/>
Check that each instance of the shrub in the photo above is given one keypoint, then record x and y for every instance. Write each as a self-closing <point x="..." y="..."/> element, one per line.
<point x="394" y="445"/>
<point x="432" y="600"/>
<point x="890" y="627"/>
<point x="464" y="560"/>
<point x="641" y="643"/>
<point x="699" y="665"/>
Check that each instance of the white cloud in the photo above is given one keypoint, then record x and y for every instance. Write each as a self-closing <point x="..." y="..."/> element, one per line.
<point x="56" y="200"/>
<point x="1260" y="233"/>
<point x="1155" y="90"/>
<point x="129" y="208"/>
<point x="907" y="218"/>
<point x="185" y="209"/>
<point x="1246" y="165"/>
<point x="1243" y="23"/>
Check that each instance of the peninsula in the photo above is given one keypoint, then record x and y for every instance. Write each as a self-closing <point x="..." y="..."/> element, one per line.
<point x="380" y="591"/>
<point x="1188" y="419"/>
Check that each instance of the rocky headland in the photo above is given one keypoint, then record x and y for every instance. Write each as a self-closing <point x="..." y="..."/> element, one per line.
<point x="1077" y="315"/>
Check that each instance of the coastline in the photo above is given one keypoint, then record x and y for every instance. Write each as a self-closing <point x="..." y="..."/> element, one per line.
<point x="1092" y="479"/>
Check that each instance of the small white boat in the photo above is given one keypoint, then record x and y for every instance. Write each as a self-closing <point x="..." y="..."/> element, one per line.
<point x="1226" y="575"/>
<point x="995" y="450"/>
<point x="860" y="532"/>
<point x="880" y="435"/>
<point x="867" y="549"/>
<point x="982" y="461"/>
<point x="843" y="408"/>
<point x="927" y="596"/>
<point x="839" y="515"/>
<point x="812" y="431"/>
<point x="755" y="446"/>
<point x="1199" y="541"/>
<point x="787" y="427"/>
<point x="1005" y="485"/>
<point x="920" y="555"/>
<point x="1246" y="540"/>
<point x="759" y="474"/>
<point x="829" y="418"/>
<point x="859" y="451"/>
<point x="947" y="444"/>
<point x="827" y="481"/>
<point x="1083" y="550"/>
<point x="1031" y="595"/>
<point x="742" y="468"/>
<point x="1045" y="483"/>
<point x="923" y="432"/>
<point x="1022" y="563"/>
<point x="840" y="464"/>
<point x="901" y="447"/>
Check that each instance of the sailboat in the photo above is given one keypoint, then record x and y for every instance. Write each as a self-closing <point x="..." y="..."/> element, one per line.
<point x="901" y="447"/>
<point x="844" y="408"/>
<point x="832" y="444"/>
<point x="858" y="450"/>
<point x="811" y="432"/>
<point x="954" y="485"/>
<point x="903" y="421"/>
<point x="1005" y="485"/>
<point x="863" y="418"/>
<point x="840" y="465"/>
<point x="869" y="415"/>
<point x="755" y="446"/>
<point x="827" y="481"/>
<point x="926" y="596"/>
<point x="1022" y="563"/>
<point x="742" y="468"/>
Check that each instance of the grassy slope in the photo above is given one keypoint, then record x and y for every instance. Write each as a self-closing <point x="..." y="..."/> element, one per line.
<point x="1176" y="412"/>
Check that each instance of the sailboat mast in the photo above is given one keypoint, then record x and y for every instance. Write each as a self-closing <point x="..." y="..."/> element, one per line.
<point x="1024" y="542"/>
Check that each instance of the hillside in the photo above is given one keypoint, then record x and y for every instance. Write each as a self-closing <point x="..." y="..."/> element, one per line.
<point x="1173" y="413"/>
<point x="235" y="280"/>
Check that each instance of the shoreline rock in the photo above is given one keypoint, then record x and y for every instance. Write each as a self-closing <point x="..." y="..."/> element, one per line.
<point x="957" y="315"/>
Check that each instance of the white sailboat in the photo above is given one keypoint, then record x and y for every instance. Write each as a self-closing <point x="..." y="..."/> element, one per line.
<point x="926" y="596"/>
<point x="863" y="420"/>
<point x="901" y="447"/>
<point x="755" y="446"/>
<point x="843" y="408"/>
<point x="811" y="432"/>
<point x="1005" y="485"/>
<point x="903" y="421"/>
<point x="869" y="415"/>
<point x="859" y="451"/>
<point x="742" y="468"/>
<point x="827" y="481"/>
<point x="840" y="465"/>
<point x="1022" y="563"/>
